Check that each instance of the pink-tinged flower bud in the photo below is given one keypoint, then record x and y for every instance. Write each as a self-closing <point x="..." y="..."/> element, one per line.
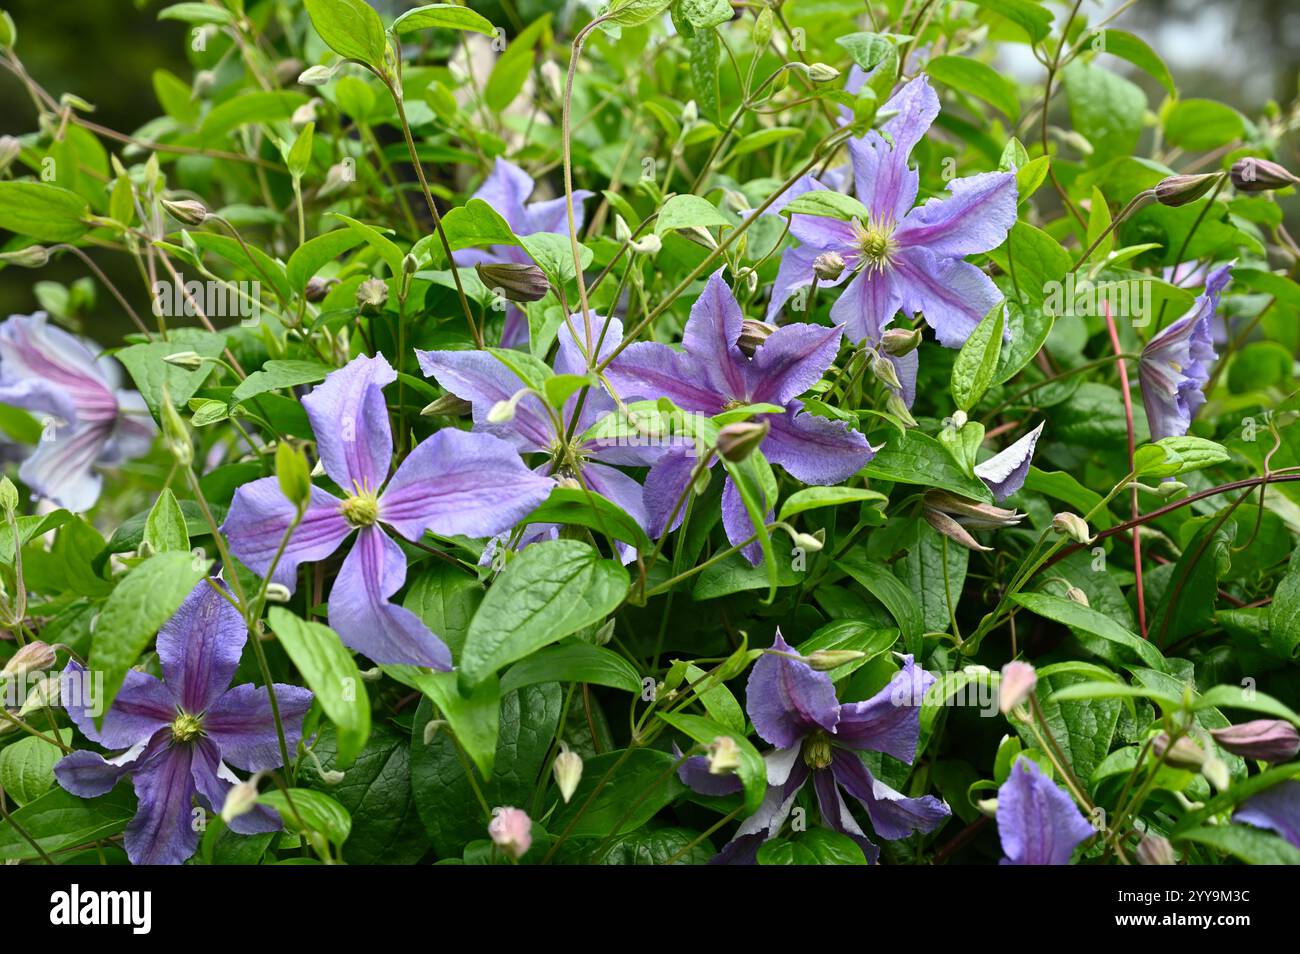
<point x="1018" y="681"/>
<point x="1180" y="190"/>
<point x="568" y="771"/>
<point x="900" y="341"/>
<point x="1260" y="175"/>
<point x="1072" y="526"/>
<point x="752" y="335"/>
<point x="954" y="531"/>
<point x="828" y="266"/>
<point x="186" y="211"/>
<point x="317" y="288"/>
<point x="737" y="441"/>
<point x="1184" y="753"/>
<point x="33" y="657"/>
<point x="511" y="830"/>
<point x="1156" y="850"/>
<point x="1269" y="740"/>
<point x="372" y="294"/>
<point x="513" y="281"/>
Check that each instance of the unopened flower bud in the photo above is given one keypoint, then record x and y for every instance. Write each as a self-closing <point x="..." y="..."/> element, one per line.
<point x="822" y="73"/>
<point x="188" y="360"/>
<point x="895" y="405"/>
<point x="240" y="800"/>
<point x="1072" y="526"/>
<point x="1268" y="740"/>
<point x="176" y="435"/>
<point x="1170" y="488"/>
<point x="885" y="373"/>
<point x="736" y="201"/>
<point x="511" y="830"/>
<point x="828" y="266"/>
<point x="1155" y="850"/>
<point x="278" y="593"/>
<point x="1184" y="753"/>
<point x="294" y="474"/>
<point x="513" y="281"/>
<point x="1260" y="175"/>
<point x="337" y="178"/>
<point x="1076" y="595"/>
<point x="648" y="245"/>
<point x="988" y="807"/>
<point x="1018" y="681"/>
<point x="752" y="335"/>
<point x="824" y="660"/>
<point x="34" y="657"/>
<point x="810" y="542"/>
<point x="567" y="769"/>
<point x="737" y="441"/>
<point x="724" y="756"/>
<point x="306" y="113"/>
<point x="33" y="256"/>
<point x="372" y="294"/>
<point x="8" y="496"/>
<point x="317" y="288"/>
<point x="621" y="231"/>
<point x="42" y="691"/>
<point x="315" y="76"/>
<point x="449" y="405"/>
<point x="897" y="342"/>
<point x="690" y="114"/>
<point x="186" y="211"/>
<point x="972" y="513"/>
<point x="954" y="531"/>
<point x="431" y="729"/>
<point x="10" y="147"/>
<point x="1215" y="771"/>
<point x="1180" y="190"/>
<point x="501" y="412"/>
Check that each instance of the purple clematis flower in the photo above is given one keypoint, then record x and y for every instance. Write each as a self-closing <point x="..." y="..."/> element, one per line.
<point x="1037" y="821"/>
<point x="507" y="189"/>
<point x="482" y="379"/>
<point x="711" y="375"/>
<point x="1175" y="364"/>
<point x="89" y="419"/>
<point x="1004" y="473"/>
<point x="179" y="735"/>
<point x="452" y="483"/>
<point x="1277" y="808"/>
<point x="905" y="257"/>
<point x="794" y="707"/>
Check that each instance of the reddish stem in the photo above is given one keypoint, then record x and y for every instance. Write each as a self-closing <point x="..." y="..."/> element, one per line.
<point x="1133" y="492"/>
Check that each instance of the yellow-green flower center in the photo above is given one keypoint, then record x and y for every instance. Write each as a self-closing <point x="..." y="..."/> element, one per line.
<point x="876" y="240"/>
<point x="186" y="727"/>
<point x="817" y="750"/>
<point x="361" y="509"/>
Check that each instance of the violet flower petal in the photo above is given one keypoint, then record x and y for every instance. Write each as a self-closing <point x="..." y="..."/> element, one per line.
<point x="890" y="721"/>
<point x="790" y="361"/>
<point x="481" y="379"/>
<point x="868" y="306"/>
<point x="893" y="815"/>
<point x="787" y="699"/>
<point x="1004" y="473"/>
<point x="261" y="513"/>
<point x="1037" y="821"/>
<point x="974" y="218"/>
<point x="142" y="706"/>
<point x="241" y="724"/>
<point x="954" y="295"/>
<point x="200" y="646"/>
<point x="350" y="420"/>
<point x="1276" y="808"/>
<point x="162" y="831"/>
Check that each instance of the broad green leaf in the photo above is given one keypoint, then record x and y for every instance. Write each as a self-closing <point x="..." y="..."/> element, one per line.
<point x="642" y="785"/>
<point x="575" y="662"/>
<point x="551" y="589"/>
<point x="1200" y="124"/>
<point x="197" y="13"/>
<point x="1033" y="18"/>
<point x="146" y="598"/>
<point x="27" y="766"/>
<point x="892" y="592"/>
<point x="42" y="211"/>
<point x="305" y="811"/>
<point x="152" y="375"/>
<point x="277" y="374"/>
<point x="575" y="506"/>
<point x="918" y="458"/>
<point x="512" y="67"/>
<point x="308" y="258"/>
<point x="811" y="498"/>
<point x="59" y="820"/>
<point x="255" y="107"/>
<point x="1283" y="634"/>
<point x="1129" y="47"/>
<point x="164" y="529"/>
<point x="1251" y="845"/>
<point x="1178" y="455"/>
<point x="474" y="718"/>
<point x="1106" y="109"/>
<point x="705" y="14"/>
<point x="445" y="597"/>
<point x="828" y="204"/>
<point x="330" y="672"/>
<point x="388" y="250"/>
<point x="684" y="211"/>
<point x="635" y="12"/>
<point x="1083" y="728"/>
<point x="442" y="16"/>
<point x="1088" y="620"/>
<point x="816" y="846"/>
<point x="977" y="361"/>
<point x="553" y="254"/>
<point x="476" y="223"/>
<point x="979" y="80"/>
<point x="1252" y="700"/>
<point x="299" y="156"/>
<point x="351" y="28"/>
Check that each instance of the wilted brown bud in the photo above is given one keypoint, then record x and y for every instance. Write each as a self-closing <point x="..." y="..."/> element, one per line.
<point x="1156" y="850"/>
<point x="318" y="288"/>
<point x="186" y="211"/>
<point x="1269" y="740"/>
<point x="953" y="530"/>
<point x="737" y="441"/>
<point x="828" y="266"/>
<point x="972" y="513"/>
<point x="900" y="341"/>
<point x="752" y="335"/>
<point x="372" y="294"/>
<point x="513" y="281"/>
<point x="1260" y="175"/>
<point x="1184" y="753"/>
<point x="1180" y="190"/>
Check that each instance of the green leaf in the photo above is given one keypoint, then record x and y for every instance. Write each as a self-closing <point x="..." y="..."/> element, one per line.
<point x="388" y="250"/>
<point x="1129" y="47"/>
<point x="977" y="361"/>
<point x="705" y="14"/>
<point x="42" y="211"/>
<point x="816" y="846"/>
<point x="576" y="662"/>
<point x="736" y="574"/>
<point x="890" y="590"/>
<point x="476" y="223"/>
<point x="575" y="506"/>
<point x="152" y="375"/>
<point x="635" y="12"/>
<point x="828" y="204"/>
<point x="277" y="374"/>
<point x="445" y="598"/>
<point x="1187" y="602"/>
<point x="551" y="589"/>
<point x="716" y="698"/>
<point x="684" y="211"/>
<point x="299" y="156"/>
<point x="553" y="254"/>
<point x="979" y="80"/>
<point x="1087" y="620"/>
<point x="255" y="107"/>
<point x="197" y="13"/>
<point x="1201" y="124"/>
<point x="512" y="67"/>
<point x="938" y="587"/>
<point x="752" y="771"/>
<point x="474" y="718"/>
<point x="1033" y="18"/>
<point x="1252" y="700"/>
<point x="311" y="811"/>
<point x="146" y="598"/>
<point x="442" y="16"/>
<point x="351" y="28"/>
<point x="642" y="785"/>
<point x="330" y="672"/>
<point x="1252" y="845"/>
<point x="811" y="498"/>
<point x="1106" y="109"/>
<point x="1083" y="728"/>
<point x="655" y="846"/>
<point x="164" y="529"/>
<point x="128" y="535"/>
<point x="1034" y="262"/>
<point x="917" y="458"/>
<point x="27" y="767"/>
<point x="308" y="258"/>
<point x="869" y="50"/>
<point x="1178" y="455"/>
<point x="59" y="820"/>
<point x="1027" y="330"/>
<point x="1283" y="634"/>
